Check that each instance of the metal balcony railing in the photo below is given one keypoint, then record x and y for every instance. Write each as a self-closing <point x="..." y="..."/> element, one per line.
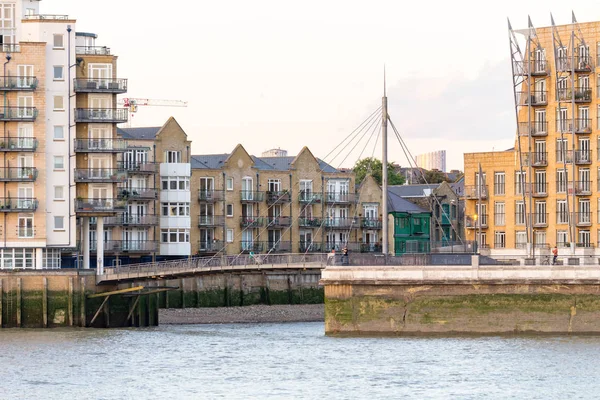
<point x="126" y="246"/>
<point x="307" y="197"/>
<point x="474" y="223"/>
<point x="370" y="223"/>
<point x="311" y="247"/>
<point x="46" y="17"/>
<point x="24" y="114"/>
<point x="306" y="222"/>
<point x="132" y="219"/>
<point x="137" y="193"/>
<point x="583" y="125"/>
<point x="562" y="217"/>
<point x="210" y="246"/>
<point x="370" y="248"/>
<point x="584" y="63"/>
<point x="539" y="189"/>
<point x="103" y="115"/>
<point x="100" y="145"/>
<point x="533" y="67"/>
<point x="583" y="218"/>
<point x="210" y="196"/>
<point x="342" y="223"/>
<point x="583" y="157"/>
<point x="10" y="48"/>
<point x="23" y="232"/>
<point x="534" y="97"/>
<point x="211" y="220"/>
<point x="250" y="196"/>
<point x="278" y="197"/>
<point x="106" y="175"/>
<point x="537" y="159"/>
<point x="475" y="191"/>
<point x="134" y="168"/>
<point x="18" y="144"/>
<point x="93" y="50"/>
<point x="274" y="246"/>
<point x="340" y="198"/>
<point x="19" y="204"/>
<point x="252" y="222"/>
<point x="582" y="94"/>
<point x="18" y="83"/>
<point x="22" y="174"/>
<point x="99" y="205"/>
<point x="536" y="128"/>
<point x="582" y="188"/>
<point x="539" y="220"/>
<point x="564" y="156"/>
<point x="249" y="245"/>
<point x="280" y="222"/>
<point x="100" y="85"/>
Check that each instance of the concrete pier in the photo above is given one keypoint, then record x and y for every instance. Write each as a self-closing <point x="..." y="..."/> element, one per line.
<point x="416" y="300"/>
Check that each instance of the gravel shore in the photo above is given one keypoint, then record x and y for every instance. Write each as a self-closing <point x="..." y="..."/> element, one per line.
<point x="258" y="313"/>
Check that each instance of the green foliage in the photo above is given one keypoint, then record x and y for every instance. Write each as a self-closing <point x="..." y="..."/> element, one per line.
<point x="434" y="176"/>
<point x="373" y="166"/>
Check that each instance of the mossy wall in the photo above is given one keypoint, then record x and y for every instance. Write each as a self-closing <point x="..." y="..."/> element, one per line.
<point x="443" y="309"/>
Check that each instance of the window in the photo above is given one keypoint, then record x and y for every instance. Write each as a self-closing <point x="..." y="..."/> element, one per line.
<point x="59" y="103"/>
<point x="274" y="185"/>
<point x="520" y="213"/>
<point x="229" y="184"/>
<point x="175" y="183"/>
<point x="59" y="223"/>
<point x="540" y="239"/>
<point x="540" y="218"/>
<point x="562" y="239"/>
<point x="175" y="209"/>
<point x="59" y="71"/>
<point x="561" y="181"/>
<point x="520" y="182"/>
<point x="172" y="156"/>
<point x="59" y="162"/>
<point x="562" y="212"/>
<point x="229" y="235"/>
<point x="499" y="216"/>
<point x="59" y="132"/>
<point x="499" y="183"/>
<point x="520" y="239"/>
<point x="499" y="240"/>
<point x="58" y="42"/>
<point x="540" y="182"/>
<point x="583" y="238"/>
<point x="175" y="235"/>
<point x="25" y="228"/>
<point x="230" y="210"/>
<point x="51" y="259"/>
<point x="59" y="193"/>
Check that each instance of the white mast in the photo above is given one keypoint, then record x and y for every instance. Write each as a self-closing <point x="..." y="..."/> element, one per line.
<point x="384" y="174"/>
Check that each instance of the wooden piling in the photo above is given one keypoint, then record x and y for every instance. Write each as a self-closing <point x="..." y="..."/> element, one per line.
<point x="70" y="302"/>
<point x="82" y="316"/>
<point x="18" y="302"/>
<point x="44" y="302"/>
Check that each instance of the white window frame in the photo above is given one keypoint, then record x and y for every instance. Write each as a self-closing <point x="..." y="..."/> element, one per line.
<point x="60" y="167"/>
<point x="61" y="69"/>
<point x="229" y="236"/>
<point x="59" y="223"/>
<point x="56" y="45"/>
<point x="61" y="130"/>
<point x="61" y="106"/>
<point x="227" y="208"/>
<point x="229" y="184"/>
<point x="62" y="192"/>
<point x="173" y="156"/>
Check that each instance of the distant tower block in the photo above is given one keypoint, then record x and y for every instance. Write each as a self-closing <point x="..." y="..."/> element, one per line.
<point x="274" y="153"/>
<point x="433" y="160"/>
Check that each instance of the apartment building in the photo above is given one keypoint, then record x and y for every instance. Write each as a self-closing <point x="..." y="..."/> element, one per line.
<point x="543" y="192"/>
<point x="432" y="160"/>
<point x="280" y="204"/>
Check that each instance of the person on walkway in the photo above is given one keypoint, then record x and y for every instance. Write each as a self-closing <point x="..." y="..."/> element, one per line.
<point x="345" y="256"/>
<point x="555" y="254"/>
<point x="331" y="257"/>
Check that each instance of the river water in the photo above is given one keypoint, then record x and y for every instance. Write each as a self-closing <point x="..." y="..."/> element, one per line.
<point x="293" y="360"/>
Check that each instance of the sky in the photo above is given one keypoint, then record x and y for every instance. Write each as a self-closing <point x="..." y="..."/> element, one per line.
<point x="282" y="74"/>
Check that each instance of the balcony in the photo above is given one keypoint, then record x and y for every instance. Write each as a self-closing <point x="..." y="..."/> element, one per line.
<point x="370" y="248"/>
<point x="535" y="128"/>
<point x="23" y="174"/>
<point x="311" y="247"/>
<point x="564" y="126"/>
<point x="583" y="157"/>
<point x="21" y="114"/>
<point x="210" y="196"/>
<point x="102" y="115"/>
<point x="473" y="223"/>
<point x="540" y="220"/>
<point x="211" y="220"/>
<point x="583" y="125"/>
<point x="370" y="223"/>
<point x="308" y="197"/>
<point x="537" y="159"/>
<point x="148" y="168"/>
<point x="342" y="223"/>
<point x="582" y="188"/>
<point x="309" y="222"/>
<point x="584" y="64"/>
<point x="20" y="144"/>
<point x="539" y="189"/>
<point x="18" y="83"/>
<point x="132" y="219"/>
<point x="475" y="191"/>
<point x="583" y="219"/>
<point x="100" y="175"/>
<point x="533" y="67"/>
<point x="340" y="198"/>
<point x="22" y="204"/>
<point x="137" y="194"/>
<point x="564" y="157"/>
<point x="534" y="98"/>
<point x="278" y="197"/>
<point x="99" y="205"/>
<point x="100" y="145"/>
<point x="583" y="94"/>
<point x="103" y="85"/>
<point x="275" y="247"/>
<point x="278" y="222"/>
<point x="252" y="222"/>
<point x="207" y="246"/>
<point x="92" y="50"/>
<point x="126" y="246"/>
<point x="250" y="245"/>
<point x="249" y="196"/>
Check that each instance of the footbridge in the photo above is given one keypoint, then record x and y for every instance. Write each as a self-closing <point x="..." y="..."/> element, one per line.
<point x="210" y="265"/>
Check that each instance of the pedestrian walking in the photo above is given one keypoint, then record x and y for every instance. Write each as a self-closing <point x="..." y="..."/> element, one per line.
<point x="331" y="257"/>
<point x="345" y="256"/>
<point x="555" y="254"/>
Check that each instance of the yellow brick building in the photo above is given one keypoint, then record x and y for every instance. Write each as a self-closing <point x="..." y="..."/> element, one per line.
<point x="544" y="191"/>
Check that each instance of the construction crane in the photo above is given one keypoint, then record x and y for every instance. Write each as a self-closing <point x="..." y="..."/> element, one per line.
<point x="133" y="103"/>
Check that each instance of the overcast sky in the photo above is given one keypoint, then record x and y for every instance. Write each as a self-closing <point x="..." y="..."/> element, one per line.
<point x="288" y="74"/>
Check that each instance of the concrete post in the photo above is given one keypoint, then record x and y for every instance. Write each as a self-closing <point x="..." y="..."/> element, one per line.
<point x="39" y="258"/>
<point x="86" y="243"/>
<point x="100" y="246"/>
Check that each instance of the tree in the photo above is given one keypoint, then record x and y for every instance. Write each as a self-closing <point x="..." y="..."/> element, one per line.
<point x="434" y="176"/>
<point x="374" y="167"/>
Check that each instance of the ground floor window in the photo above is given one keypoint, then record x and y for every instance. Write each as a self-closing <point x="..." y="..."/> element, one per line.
<point x="17" y="258"/>
<point x="51" y="259"/>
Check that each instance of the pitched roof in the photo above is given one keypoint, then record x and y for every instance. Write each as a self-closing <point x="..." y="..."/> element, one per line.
<point x="398" y="204"/>
<point x="208" y="161"/>
<point x="145" y="133"/>
<point x="216" y="161"/>
<point x="423" y="190"/>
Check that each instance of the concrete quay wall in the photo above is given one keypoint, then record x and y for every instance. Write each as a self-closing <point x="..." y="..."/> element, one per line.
<point x="421" y="300"/>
